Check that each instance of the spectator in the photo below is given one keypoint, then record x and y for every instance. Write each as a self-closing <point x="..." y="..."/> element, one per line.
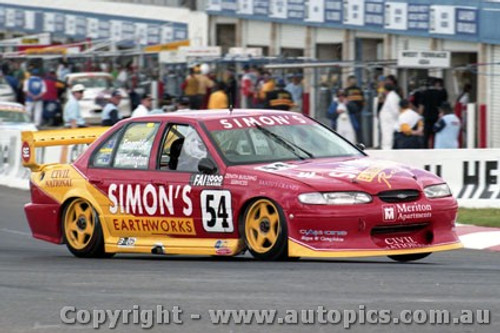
<point x="432" y="98"/>
<point x="279" y="99"/>
<point x="62" y="71"/>
<point x="295" y="88"/>
<point x="218" y="98"/>
<point x="122" y="77"/>
<point x="343" y="124"/>
<point x="388" y="117"/>
<point x="34" y="89"/>
<point x="190" y="87"/>
<point x="447" y="128"/>
<point x="204" y="85"/>
<point x="248" y="82"/>
<point x="391" y="79"/>
<point x="266" y="85"/>
<point x="231" y="87"/>
<point x="110" y="113"/>
<point x="355" y="104"/>
<point x="51" y="105"/>
<point x="143" y="108"/>
<point x="71" y="115"/>
<point x="183" y="104"/>
<point x="409" y="129"/>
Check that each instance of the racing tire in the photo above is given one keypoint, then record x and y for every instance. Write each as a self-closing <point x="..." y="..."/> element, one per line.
<point x="265" y="230"/>
<point x="410" y="257"/>
<point x="82" y="230"/>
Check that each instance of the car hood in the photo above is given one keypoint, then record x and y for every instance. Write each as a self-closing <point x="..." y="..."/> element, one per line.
<point x="349" y="174"/>
<point x="18" y="126"/>
<point x="92" y="93"/>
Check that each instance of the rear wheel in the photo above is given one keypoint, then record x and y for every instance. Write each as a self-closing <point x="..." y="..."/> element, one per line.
<point x="265" y="230"/>
<point x="410" y="257"/>
<point x="82" y="230"/>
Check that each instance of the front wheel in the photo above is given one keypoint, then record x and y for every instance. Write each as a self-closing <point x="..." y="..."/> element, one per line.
<point x="82" y="230"/>
<point x="265" y="230"/>
<point x="410" y="257"/>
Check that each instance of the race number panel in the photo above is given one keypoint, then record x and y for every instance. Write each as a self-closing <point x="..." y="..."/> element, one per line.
<point x="217" y="215"/>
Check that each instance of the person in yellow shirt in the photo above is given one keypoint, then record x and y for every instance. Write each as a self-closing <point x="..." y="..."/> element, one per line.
<point x="218" y="98"/>
<point x="266" y="86"/>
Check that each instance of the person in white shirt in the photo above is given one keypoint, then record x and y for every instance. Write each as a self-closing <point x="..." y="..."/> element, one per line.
<point x="143" y="108"/>
<point x="409" y="130"/>
<point x="344" y="125"/>
<point x="388" y="116"/>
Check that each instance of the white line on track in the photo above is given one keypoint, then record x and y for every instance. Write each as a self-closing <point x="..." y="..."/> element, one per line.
<point x="16" y="232"/>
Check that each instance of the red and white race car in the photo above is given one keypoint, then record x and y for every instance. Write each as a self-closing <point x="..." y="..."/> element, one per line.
<point x="218" y="182"/>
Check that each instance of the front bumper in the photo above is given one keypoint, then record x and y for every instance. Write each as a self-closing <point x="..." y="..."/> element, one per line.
<point x="375" y="229"/>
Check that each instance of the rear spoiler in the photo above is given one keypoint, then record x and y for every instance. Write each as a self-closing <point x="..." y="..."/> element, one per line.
<point x="64" y="137"/>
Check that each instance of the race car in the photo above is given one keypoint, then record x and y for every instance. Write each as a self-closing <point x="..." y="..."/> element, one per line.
<point x="98" y="88"/>
<point x="219" y="182"/>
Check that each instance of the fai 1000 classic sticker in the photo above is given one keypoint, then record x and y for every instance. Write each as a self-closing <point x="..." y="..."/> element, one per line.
<point x="206" y="180"/>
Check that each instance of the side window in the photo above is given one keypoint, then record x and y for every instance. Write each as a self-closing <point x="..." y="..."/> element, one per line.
<point x="102" y="158"/>
<point x="182" y="149"/>
<point x="134" y="149"/>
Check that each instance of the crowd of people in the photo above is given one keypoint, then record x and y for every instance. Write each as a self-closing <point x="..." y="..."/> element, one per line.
<point x="425" y="119"/>
<point x="253" y="88"/>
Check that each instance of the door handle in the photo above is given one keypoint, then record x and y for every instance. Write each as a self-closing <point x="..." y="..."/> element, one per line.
<point x="96" y="181"/>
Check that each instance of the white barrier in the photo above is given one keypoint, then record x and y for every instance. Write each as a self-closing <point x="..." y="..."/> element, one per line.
<point x="472" y="174"/>
<point x="12" y="172"/>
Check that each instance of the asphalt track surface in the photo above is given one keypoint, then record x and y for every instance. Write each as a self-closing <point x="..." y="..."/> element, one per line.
<point x="38" y="279"/>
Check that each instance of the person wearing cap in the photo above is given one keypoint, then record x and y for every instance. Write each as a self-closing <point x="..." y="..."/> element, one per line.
<point x="409" y="130"/>
<point x="34" y="89"/>
<point x="447" y="128"/>
<point x="279" y="99"/>
<point x="110" y="114"/>
<point x="295" y="88"/>
<point x="71" y="114"/>
<point x="183" y="104"/>
<point x="144" y="108"/>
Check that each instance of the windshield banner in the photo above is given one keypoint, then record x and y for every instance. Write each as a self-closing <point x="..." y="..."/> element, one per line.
<point x="231" y="123"/>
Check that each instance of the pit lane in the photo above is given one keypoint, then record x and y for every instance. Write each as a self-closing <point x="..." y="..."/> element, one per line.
<point x="38" y="279"/>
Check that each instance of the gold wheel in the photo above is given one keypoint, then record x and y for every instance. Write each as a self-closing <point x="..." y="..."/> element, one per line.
<point x="79" y="224"/>
<point x="262" y="226"/>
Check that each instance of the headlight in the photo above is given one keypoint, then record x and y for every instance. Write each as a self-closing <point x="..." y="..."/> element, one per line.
<point x="437" y="191"/>
<point x="335" y="198"/>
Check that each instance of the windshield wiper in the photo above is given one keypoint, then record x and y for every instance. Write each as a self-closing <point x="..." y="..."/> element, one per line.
<point x="285" y="143"/>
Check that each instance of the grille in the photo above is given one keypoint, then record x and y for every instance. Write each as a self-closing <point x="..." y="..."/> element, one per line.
<point x="391" y="229"/>
<point x="399" y="196"/>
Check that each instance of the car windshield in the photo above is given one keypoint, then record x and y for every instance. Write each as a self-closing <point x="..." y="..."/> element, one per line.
<point x="93" y="82"/>
<point x="262" y="144"/>
<point x="14" y="117"/>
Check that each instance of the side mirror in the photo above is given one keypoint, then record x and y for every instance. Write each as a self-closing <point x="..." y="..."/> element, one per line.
<point x="207" y="166"/>
<point x="360" y="146"/>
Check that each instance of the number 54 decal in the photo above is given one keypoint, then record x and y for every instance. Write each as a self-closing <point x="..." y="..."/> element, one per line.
<point x="217" y="215"/>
